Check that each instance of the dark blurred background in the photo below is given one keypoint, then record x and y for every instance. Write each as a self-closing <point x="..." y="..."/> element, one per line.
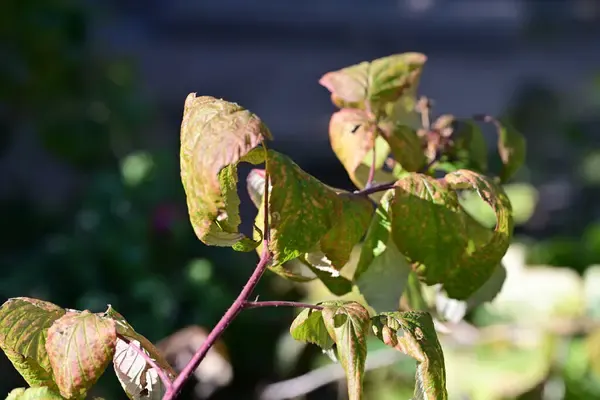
<point x="92" y="210"/>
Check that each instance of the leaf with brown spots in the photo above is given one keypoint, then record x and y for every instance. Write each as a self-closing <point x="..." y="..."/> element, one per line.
<point x="24" y="324"/>
<point x="413" y="333"/>
<point x="377" y="82"/>
<point x="215" y="136"/>
<point x="353" y="139"/>
<point x="428" y="226"/>
<point x="348" y="325"/>
<point x="484" y="251"/>
<point x="80" y="346"/>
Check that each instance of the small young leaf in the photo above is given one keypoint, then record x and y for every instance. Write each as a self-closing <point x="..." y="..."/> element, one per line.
<point x="481" y="257"/>
<point x="33" y="393"/>
<point x="413" y="334"/>
<point x="428" y="226"/>
<point x="381" y="81"/>
<point x="348" y="324"/>
<point x="382" y="271"/>
<point x="215" y="136"/>
<point x="80" y="346"/>
<point x="23" y="331"/>
<point x="309" y="327"/>
<point x="405" y="145"/>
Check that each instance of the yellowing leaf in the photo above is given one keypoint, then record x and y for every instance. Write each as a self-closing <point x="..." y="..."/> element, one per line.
<point x="380" y="81"/>
<point x="348" y="324"/>
<point x="24" y="324"/>
<point x="215" y="136"/>
<point x="353" y="139"/>
<point x="413" y="334"/>
<point x="33" y="393"/>
<point x="80" y="346"/>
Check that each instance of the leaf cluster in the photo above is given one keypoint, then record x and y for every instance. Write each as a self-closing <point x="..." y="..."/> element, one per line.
<point x="61" y="352"/>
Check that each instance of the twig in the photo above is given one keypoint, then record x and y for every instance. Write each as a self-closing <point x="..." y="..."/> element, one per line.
<point x="161" y="372"/>
<point x="314" y="379"/>
<point x="259" y="304"/>
<point x="232" y="312"/>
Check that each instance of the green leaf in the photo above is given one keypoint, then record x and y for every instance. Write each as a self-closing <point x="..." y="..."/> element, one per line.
<point x="353" y="139"/>
<point x="405" y="144"/>
<point x="34" y="393"/>
<point x="80" y="346"/>
<point x="348" y="324"/>
<point x="470" y="147"/>
<point x="307" y="216"/>
<point x="512" y="146"/>
<point x="428" y="226"/>
<point x="382" y="271"/>
<point x="348" y="228"/>
<point x="413" y="333"/>
<point x="134" y="374"/>
<point x="302" y="209"/>
<point x="381" y="81"/>
<point x="309" y="327"/>
<point x="215" y="136"/>
<point x="24" y="324"/>
<point x="481" y="257"/>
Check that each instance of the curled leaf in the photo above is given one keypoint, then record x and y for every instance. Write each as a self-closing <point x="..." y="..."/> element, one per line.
<point x="481" y="256"/>
<point x="413" y="333"/>
<point x="215" y="136"/>
<point x="138" y="379"/>
<point x="80" y="346"/>
<point x="469" y="148"/>
<point x="24" y="324"/>
<point x="348" y="325"/>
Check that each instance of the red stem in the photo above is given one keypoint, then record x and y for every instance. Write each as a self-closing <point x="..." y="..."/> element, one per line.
<point x="234" y="310"/>
<point x="161" y="372"/>
<point x="259" y="304"/>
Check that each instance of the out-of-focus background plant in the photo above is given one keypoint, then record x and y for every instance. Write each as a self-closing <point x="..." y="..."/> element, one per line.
<point x="92" y="210"/>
